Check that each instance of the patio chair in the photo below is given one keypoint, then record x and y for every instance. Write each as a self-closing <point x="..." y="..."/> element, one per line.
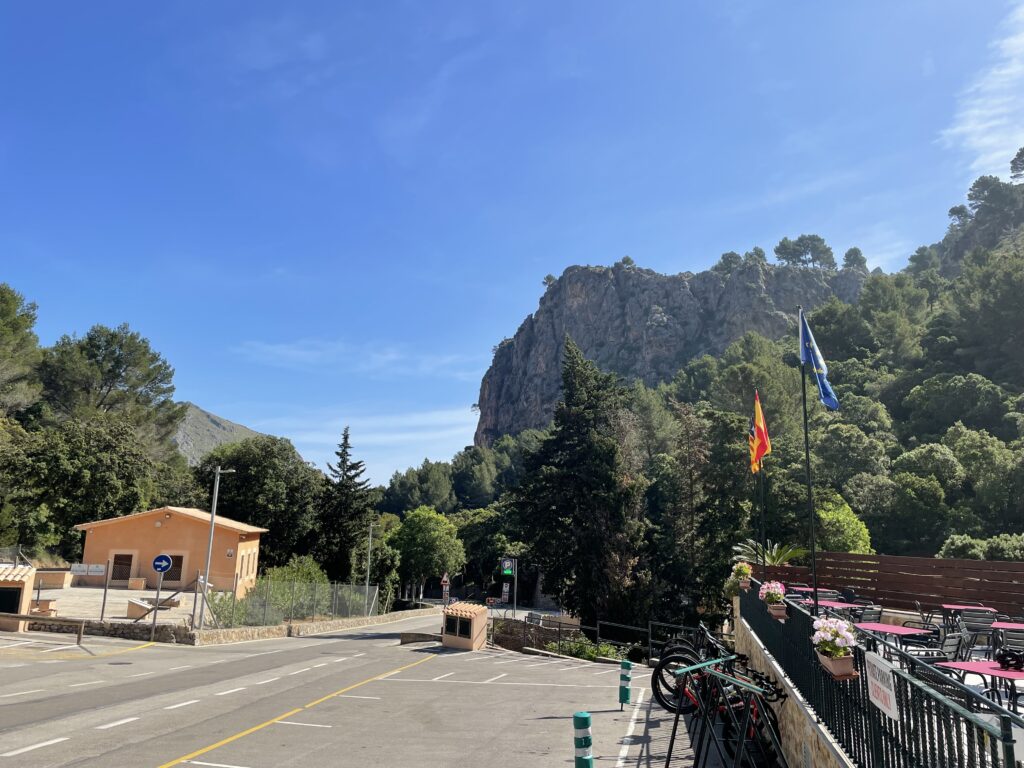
<point x="977" y="625"/>
<point x="932" y="640"/>
<point x="872" y="613"/>
<point x="828" y="594"/>
<point x="848" y="594"/>
<point x="926" y="616"/>
<point x="1012" y="638"/>
<point x="948" y="650"/>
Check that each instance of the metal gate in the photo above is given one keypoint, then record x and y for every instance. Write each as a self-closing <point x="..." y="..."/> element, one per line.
<point x="122" y="569"/>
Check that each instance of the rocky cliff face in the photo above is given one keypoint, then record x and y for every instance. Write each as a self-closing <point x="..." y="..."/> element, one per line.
<point x="641" y="325"/>
<point x="201" y="431"/>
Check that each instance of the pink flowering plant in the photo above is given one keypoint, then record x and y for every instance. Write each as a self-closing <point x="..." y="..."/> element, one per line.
<point x="772" y="592"/>
<point x="742" y="570"/>
<point x="833" y="637"/>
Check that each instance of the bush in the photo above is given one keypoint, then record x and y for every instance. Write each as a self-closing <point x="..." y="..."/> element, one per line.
<point x="581" y="647"/>
<point x="1005" y="546"/>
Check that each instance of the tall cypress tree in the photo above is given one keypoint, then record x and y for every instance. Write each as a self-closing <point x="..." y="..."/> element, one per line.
<point x="575" y="506"/>
<point x="344" y="514"/>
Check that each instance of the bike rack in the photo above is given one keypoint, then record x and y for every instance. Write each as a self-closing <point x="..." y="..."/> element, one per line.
<point x="714" y="687"/>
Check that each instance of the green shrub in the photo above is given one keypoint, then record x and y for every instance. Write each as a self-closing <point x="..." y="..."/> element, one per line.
<point x="581" y="647"/>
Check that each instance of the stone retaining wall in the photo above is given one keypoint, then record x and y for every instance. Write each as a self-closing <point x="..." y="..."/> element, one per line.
<point x="804" y="741"/>
<point x="320" y="627"/>
<point x="236" y="635"/>
<point x="165" y="633"/>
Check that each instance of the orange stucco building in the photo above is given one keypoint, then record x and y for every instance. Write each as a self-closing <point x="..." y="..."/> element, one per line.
<point x="131" y="542"/>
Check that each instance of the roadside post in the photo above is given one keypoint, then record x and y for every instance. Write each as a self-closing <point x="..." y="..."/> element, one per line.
<point x="625" y="680"/>
<point x="161" y="564"/>
<point x="510" y="567"/>
<point x="583" y="740"/>
<point x="445" y="587"/>
<point x="106" y="586"/>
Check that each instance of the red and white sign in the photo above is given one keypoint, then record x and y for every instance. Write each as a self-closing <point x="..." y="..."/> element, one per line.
<point x="881" y="691"/>
<point x="445" y="581"/>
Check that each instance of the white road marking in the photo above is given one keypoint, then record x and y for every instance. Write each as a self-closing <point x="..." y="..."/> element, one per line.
<point x="216" y="765"/>
<point x="217" y="661"/>
<point x="183" y="666"/>
<point x="59" y="648"/>
<point x="543" y="663"/>
<point x="504" y="674"/>
<point x="142" y="674"/>
<point x="116" y="723"/>
<point x="12" y="666"/>
<point x="343" y="658"/>
<point x="481" y="682"/>
<point x="183" y="704"/>
<point x="15" y="645"/>
<point x="442" y="677"/>
<point x="606" y="672"/>
<point x="627" y="740"/>
<point x="346" y="696"/>
<point x="263" y="653"/>
<point x="483" y="656"/>
<point x="357" y="655"/>
<point x="79" y="685"/>
<point x="52" y="661"/>
<point x="22" y="693"/>
<point x="581" y="666"/>
<point x="23" y="750"/>
<point x="308" y="725"/>
<point x="233" y="690"/>
<point x="264" y="682"/>
<point x="320" y="665"/>
<point x="388" y="644"/>
<point x="297" y="671"/>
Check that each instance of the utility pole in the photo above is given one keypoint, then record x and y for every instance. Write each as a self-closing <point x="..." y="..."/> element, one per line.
<point x="209" y="547"/>
<point x="369" y="552"/>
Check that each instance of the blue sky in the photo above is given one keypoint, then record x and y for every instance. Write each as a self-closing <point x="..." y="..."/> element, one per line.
<point x="328" y="213"/>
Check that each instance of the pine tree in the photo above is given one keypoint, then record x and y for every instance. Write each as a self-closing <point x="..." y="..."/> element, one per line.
<point x="344" y="514"/>
<point x="575" y="505"/>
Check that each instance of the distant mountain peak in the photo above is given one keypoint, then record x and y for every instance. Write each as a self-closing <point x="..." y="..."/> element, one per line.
<point x="201" y="431"/>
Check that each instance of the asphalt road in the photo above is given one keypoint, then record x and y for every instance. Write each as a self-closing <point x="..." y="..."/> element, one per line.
<point x="351" y="698"/>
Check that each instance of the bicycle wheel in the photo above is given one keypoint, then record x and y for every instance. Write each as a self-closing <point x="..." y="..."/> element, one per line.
<point x="665" y="685"/>
<point x="761" y="752"/>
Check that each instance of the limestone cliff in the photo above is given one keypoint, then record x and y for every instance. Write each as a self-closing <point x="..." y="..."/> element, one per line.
<point x="642" y="325"/>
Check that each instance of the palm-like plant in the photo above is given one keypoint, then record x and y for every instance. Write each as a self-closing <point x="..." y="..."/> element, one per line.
<point x="772" y="554"/>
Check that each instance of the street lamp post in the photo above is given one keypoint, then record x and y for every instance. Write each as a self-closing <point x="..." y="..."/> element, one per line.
<point x="369" y="552"/>
<point x="209" y="547"/>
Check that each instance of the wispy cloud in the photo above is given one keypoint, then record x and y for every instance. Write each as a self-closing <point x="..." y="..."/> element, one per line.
<point x="989" y="122"/>
<point x="385" y="441"/>
<point x="375" y="360"/>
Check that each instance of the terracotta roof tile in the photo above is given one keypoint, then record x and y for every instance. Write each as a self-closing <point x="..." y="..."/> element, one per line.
<point x="465" y="610"/>
<point x="195" y="514"/>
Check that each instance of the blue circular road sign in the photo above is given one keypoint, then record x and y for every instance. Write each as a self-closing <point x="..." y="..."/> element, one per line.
<point x="162" y="563"/>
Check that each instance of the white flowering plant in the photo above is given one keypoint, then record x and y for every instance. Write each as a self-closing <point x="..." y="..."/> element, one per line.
<point x="833" y="637"/>
<point x="772" y="592"/>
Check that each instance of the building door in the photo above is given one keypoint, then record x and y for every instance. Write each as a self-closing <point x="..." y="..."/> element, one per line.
<point x="174" y="574"/>
<point x="10" y="599"/>
<point x="122" y="569"/>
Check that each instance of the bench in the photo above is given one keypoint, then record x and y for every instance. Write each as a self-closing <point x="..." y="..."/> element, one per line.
<point x="137" y="609"/>
<point x="43" y="607"/>
<point x="165" y="602"/>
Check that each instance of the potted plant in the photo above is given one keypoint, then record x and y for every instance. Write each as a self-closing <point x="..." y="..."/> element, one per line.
<point x="772" y="593"/>
<point x="742" y="573"/>
<point x="833" y="642"/>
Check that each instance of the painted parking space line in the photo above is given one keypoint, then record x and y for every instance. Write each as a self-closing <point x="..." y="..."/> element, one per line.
<point x="214" y="765"/>
<point x="606" y="672"/>
<point x="22" y="693"/>
<point x="346" y="696"/>
<point x="308" y="725"/>
<point x="627" y="741"/>
<point x="343" y="658"/>
<point x="300" y="671"/>
<point x="15" y="645"/>
<point x="142" y="674"/>
<point x="183" y="666"/>
<point x="91" y="682"/>
<point x="116" y="723"/>
<point x="484" y="682"/>
<point x="270" y="680"/>
<point x="442" y="677"/>
<point x="233" y="690"/>
<point x="23" y="750"/>
<point x="59" y="648"/>
<point x="580" y="666"/>
<point x="320" y="665"/>
<point x="543" y="664"/>
<point x="510" y="661"/>
<point x="183" y="704"/>
<point x="503" y="674"/>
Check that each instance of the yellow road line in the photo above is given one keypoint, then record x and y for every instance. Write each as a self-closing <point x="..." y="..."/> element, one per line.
<point x="261" y="726"/>
<point x="84" y="656"/>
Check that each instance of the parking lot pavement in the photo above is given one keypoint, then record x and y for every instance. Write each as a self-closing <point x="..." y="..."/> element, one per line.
<point x="350" y="698"/>
<point x="18" y="649"/>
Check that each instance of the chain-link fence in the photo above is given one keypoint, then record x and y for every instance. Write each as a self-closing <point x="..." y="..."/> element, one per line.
<point x="269" y="603"/>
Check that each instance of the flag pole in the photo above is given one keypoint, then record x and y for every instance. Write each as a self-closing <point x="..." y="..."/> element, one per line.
<point x="764" y="542"/>
<point x="807" y="465"/>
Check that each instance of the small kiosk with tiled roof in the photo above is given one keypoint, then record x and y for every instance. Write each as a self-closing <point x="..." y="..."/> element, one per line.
<point x="465" y="626"/>
<point x="15" y="593"/>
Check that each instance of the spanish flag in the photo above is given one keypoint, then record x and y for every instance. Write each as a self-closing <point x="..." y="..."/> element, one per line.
<point x="760" y="445"/>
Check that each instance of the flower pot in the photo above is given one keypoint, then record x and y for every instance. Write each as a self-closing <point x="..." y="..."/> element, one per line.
<point x="745" y="585"/>
<point x="777" y="610"/>
<point x="841" y="668"/>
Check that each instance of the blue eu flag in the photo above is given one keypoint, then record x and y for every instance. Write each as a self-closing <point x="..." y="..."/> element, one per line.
<point x="810" y="356"/>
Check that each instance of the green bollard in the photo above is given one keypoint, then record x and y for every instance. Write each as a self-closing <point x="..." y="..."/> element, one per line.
<point x="583" y="740"/>
<point x="625" y="678"/>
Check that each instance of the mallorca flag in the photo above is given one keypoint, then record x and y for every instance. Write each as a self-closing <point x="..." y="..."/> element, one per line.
<point x="760" y="445"/>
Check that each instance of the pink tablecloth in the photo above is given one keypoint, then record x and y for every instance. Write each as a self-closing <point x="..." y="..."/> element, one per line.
<point x="890" y="629"/>
<point x="954" y="607"/>
<point x="1007" y="625"/>
<point x="838" y="605"/>
<point x="983" y="668"/>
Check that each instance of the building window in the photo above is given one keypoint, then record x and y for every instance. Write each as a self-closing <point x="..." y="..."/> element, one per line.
<point x="464" y="625"/>
<point x="122" y="570"/>
<point x="451" y="625"/>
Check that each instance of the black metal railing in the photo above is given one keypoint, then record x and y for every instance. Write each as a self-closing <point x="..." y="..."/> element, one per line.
<point x="955" y="727"/>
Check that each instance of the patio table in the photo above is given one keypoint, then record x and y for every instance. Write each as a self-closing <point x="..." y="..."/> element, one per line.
<point x="1007" y="625"/>
<point x="991" y="669"/>
<point x="948" y="609"/>
<point x="836" y="605"/>
<point x="897" y="632"/>
<point x="803" y="589"/>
